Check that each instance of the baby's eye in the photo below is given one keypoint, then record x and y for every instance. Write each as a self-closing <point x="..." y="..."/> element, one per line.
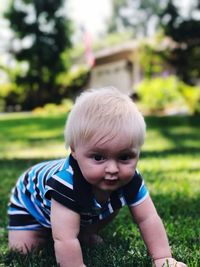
<point x="98" y="157"/>
<point x="125" y="157"/>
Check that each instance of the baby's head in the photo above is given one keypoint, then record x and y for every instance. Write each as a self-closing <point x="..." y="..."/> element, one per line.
<point x="102" y="114"/>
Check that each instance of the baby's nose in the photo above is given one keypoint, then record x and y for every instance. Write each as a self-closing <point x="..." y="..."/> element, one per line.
<point x="111" y="167"/>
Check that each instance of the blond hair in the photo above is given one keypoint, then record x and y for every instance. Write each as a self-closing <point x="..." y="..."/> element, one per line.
<point x="101" y="113"/>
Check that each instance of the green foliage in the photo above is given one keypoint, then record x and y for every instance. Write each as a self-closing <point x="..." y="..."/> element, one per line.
<point x="162" y="93"/>
<point x="5" y="90"/>
<point x="134" y="16"/>
<point x="152" y="59"/>
<point x="169" y="163"/>
<point x="69" y="85"/>
<point x="72" y="83"/>
<point x="116" y="21"/>
<point x="191" y="95"/>
<point x="111" y="39"/>
<point x="143" y="15"/>
<point x="54" y="109"/>
<point x="159" y="93"/>
<point x="43" y="33"/>
<point x="10" y="95"/>
<point x="185" y="31"/>
<point x="2" y="105"/>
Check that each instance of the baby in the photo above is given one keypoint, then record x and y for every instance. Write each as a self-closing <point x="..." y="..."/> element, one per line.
<point x="74" y="198"/>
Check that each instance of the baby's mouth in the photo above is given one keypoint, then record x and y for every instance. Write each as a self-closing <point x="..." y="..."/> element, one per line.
<point x="110" y="180"/>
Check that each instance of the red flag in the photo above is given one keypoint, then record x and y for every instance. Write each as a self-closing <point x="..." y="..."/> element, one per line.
<point x="87" y="39"/>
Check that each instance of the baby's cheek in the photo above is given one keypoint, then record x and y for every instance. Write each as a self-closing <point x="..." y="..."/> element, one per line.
<point x="129" y="170"/>
<point x="126" y="177"/>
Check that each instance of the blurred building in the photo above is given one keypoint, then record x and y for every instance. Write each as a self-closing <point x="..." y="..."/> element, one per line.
<point x="120" y="66"/>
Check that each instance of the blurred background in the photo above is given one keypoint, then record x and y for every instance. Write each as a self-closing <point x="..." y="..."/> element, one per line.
<point x="52" y="50"/>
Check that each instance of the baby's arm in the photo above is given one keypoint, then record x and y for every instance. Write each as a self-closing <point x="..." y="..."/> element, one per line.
<point x="65" y="229"/>
<point x="153" y="233"/>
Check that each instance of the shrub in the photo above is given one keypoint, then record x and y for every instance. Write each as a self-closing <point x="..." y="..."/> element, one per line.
<point x="2" y="105"/>
<point x="5" y="90"/>
<point x="53" y="109"/>
<point x="191" y="95"/>
<point x="11" y="97"/>
<point x="160" y="93"/>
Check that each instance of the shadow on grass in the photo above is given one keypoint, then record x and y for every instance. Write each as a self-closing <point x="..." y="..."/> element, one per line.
<point x="177" y="205"/>
<point x="46" y="122"/>
<point x="157" y="122"/>
<point x="182" y="150"/>
<point x="181" y="131"/>
<point x="33" y="129"/>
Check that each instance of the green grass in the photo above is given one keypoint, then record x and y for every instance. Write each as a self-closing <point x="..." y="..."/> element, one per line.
<point x="170" y="164"/>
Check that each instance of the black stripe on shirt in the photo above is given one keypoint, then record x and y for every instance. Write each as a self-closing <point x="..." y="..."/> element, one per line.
<point x="48" y="171"/>
<point x="21" y="219"/>
<point x="63" y="189"/>
<point x="67" y="202"/>
<point x="12" y="205"/>
<point x="115" y="201"/>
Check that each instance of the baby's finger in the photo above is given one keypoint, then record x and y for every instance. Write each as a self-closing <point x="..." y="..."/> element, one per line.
<point x="181" y="264"/>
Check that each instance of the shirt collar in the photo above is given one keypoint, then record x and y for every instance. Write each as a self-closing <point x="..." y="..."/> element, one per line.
<point x="82" y="189"/>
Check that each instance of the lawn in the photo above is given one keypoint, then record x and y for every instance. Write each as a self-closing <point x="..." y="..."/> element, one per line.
<point x="170" y="164"/>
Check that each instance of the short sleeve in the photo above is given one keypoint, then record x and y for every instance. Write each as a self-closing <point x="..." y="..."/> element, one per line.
<point x="141" y="195"/>
<point x="60" y="188"/>
<point x="136" y="191"/>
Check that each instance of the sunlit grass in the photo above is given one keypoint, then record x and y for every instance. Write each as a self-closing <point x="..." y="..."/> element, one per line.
<point x="32" y="136"/>
<point x="170" y="164"/>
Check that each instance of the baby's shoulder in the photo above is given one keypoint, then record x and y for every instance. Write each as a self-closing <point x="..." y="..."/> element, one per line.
<point x="45" y="169"/>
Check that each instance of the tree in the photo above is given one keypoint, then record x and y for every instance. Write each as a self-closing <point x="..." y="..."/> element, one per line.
<point x="141" y="15"/>
<point x="43" y="34"/>
<point x="135" y="15"/>
<point x="116" y="20"/>
<point x="185" y="32"/>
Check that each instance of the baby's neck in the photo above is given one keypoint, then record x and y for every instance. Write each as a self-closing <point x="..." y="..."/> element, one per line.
<point x="101" y="196"/>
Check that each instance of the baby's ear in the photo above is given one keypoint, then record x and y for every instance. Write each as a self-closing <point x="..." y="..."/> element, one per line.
<point x="73" y="153"/>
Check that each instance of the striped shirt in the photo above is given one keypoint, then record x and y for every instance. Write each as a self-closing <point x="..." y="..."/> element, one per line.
<point x="62" y="180"/>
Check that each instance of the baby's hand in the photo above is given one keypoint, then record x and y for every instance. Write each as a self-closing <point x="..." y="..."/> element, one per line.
<point x="168" y="262"/>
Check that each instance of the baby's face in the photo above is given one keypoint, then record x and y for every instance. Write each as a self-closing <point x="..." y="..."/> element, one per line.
<point x="107" y="164"/>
